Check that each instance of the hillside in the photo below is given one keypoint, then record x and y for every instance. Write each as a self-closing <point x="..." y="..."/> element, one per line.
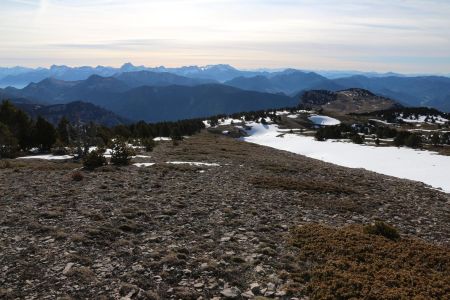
<point x="163" y="103"/>
<point x="154" y="104"/>
<point x="346" y="101"/>
<point x="147" y="78"/>
<point x="253" y="222"/>
<point x="288" y="82"/>
<point x="433" y="91"/>
<point x="74" y="111"/>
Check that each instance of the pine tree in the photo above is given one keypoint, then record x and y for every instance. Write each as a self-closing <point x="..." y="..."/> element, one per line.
<point x="8" y="143"/>
<point x="121" y="154"/>
<point x="435" y="139"/>
<point x="18" y="123"/>
<point x="64" y="130"/>
<point x="44" y="134"/>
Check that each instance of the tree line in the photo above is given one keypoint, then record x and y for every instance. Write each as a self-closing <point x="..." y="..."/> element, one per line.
<point x="357" y="132"/>
<point x="19" y="133"/>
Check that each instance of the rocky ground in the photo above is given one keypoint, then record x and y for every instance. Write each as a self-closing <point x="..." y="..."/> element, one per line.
<point x="177" y="231"/>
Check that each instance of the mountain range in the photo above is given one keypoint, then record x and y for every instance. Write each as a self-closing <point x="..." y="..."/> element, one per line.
<point x="20" y="77"/>
<point x="433" y="91"/>
<point x="166" y="99"/>
<point x="159" y="94"/>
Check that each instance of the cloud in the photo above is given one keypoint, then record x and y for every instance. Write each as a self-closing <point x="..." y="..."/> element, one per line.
<point x="268" y="32"/>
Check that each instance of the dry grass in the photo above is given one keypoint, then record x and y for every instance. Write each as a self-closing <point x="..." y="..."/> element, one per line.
<point x="347" y="263"/>
<point x="286" y="183"/>
<point x="37" y="164"/>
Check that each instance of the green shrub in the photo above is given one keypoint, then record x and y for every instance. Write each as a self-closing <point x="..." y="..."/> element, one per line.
<point x="414" y="141"/>
<point x="328" y="132"/>
<point x="121" y="154"/>
<point x="94" y="160"/>
<point x="59" y="148"/>
<point x="383" y="229"/>
<point x="357" y="139"/>
<point x="149" y="144"/>
<point x="401" y="138"/>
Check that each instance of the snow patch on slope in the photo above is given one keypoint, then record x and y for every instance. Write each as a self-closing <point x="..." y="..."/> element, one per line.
<point x="324" y="120"/>
<point x="424" y="166"/>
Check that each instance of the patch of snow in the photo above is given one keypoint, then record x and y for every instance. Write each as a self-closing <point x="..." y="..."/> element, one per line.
<point x="423" y="119"/>
<point x="47" y="157"/>
<point x="292" y="116"/>
<point x="324" y="120"/>
<point x="229" y="121"/>
<point x="289" y="130"/>
<point x="282" y="113"/>
<point x="140" y="165"/>
<point x="225" y="132"/>
<point x="193" y="163"/>
<point x="423" y="166"/>
<point x="380" y="121"/>
<point x="207" y="125"/>
<point x="141" y="156"/>
<point x="162" y="138"/>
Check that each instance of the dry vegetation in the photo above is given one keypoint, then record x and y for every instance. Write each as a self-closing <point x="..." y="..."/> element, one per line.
<point x="348" y="263"/>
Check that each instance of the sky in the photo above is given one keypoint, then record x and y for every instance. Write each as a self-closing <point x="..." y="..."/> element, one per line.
<point x="409" y="36"/>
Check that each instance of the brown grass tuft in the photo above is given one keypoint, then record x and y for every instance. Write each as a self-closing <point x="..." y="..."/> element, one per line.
<point x="77" y="176"/>
<point x="286" y="183"/>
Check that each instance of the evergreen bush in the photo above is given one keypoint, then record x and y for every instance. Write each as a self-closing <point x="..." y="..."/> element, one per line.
<point x="383" y="229"/>
<point x="94" y="159"/>
<point x="121" y="154"/>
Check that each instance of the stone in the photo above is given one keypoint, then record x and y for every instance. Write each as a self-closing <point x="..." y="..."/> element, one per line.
<point x="248" y="294"/>
<point x="255" y="288"/>
<point x="231" y="293"/>
<point x="67" y="268"/>
<point x="259" y="269"/>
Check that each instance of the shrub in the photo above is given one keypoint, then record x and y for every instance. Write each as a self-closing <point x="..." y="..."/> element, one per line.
<point x="77" y="176"/>
<point x="383" y="229"/>
<point x="328" y="132"/>
<point x="176" y="137"/>
<point x="121" y="154"/>
<point x="413" y="141"/>
<point x="401" y="137"/>
<point x="59" y="148"/>
<point x="94" y="160"/>
<point x="357" y="139"/>
<point x="149" y="144"/>
<point x="346" y="263"/>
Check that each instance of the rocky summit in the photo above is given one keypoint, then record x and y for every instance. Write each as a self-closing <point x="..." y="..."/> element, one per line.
<point x="216" y="218"/>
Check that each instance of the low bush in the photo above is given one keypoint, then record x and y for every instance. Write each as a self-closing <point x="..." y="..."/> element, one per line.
<point x="121" y="154"/>
<point x="149" y="144"/>
<point x="93" y="160"/>
<point x="357" y="139"/>
<point x="286" y="183"/>
<point x="77" y="176"/>
<point x="346" y="263"/>
<point x="328" y="132"/>
<point x="383" y="229"/>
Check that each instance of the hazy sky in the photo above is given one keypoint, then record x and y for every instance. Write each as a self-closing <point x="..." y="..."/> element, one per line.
<point x="381" y="35"/>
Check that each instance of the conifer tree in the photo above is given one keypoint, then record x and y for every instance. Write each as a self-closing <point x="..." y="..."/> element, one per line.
<point x="44" y="134"/>
<point x="64" y="130"/>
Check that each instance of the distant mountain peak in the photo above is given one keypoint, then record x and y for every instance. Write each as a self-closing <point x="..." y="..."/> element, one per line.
<point x="127" y="65"/>
<point x="219" y="67"/>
